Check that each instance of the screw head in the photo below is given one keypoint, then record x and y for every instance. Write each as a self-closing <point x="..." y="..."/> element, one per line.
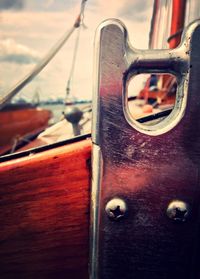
<point x="116" y="208"/>
<point x="178" y="211"/>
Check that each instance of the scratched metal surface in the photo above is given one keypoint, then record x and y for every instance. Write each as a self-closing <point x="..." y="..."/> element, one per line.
<point x="147" y="171"/>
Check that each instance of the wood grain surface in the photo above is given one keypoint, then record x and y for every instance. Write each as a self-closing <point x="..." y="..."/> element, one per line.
<point x="44" y="214"/>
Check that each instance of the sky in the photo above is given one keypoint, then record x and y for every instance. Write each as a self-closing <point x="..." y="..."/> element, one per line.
<point x="29" y="28"/>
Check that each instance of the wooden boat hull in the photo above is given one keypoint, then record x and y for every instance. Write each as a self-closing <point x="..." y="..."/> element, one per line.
<point x="45" y="214"/>
<point x="15" y="124"/>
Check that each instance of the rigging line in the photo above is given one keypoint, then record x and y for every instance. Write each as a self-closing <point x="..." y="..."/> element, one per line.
<point x="36" y="70"/>
<point x="79" y="23"/>
<point x="69" y="82"/>
<point x="83" y="11"/>
<point x="39" y="67"/>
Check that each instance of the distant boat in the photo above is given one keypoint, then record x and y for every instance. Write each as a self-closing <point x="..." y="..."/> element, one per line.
<point x="21" y="120"/>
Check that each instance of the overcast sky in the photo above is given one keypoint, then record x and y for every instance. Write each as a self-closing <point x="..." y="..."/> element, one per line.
<point x="28" y="28"/>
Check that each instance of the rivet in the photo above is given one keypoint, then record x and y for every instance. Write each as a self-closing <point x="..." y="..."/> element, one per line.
<point x="116" y="208"/>
<point x="178" y="211"/>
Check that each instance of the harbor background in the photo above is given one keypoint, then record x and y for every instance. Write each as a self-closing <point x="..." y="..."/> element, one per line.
<point x="28" y="29"/>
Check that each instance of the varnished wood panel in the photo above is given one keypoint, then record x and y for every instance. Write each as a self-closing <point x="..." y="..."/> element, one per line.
<point x="44" y="214"/>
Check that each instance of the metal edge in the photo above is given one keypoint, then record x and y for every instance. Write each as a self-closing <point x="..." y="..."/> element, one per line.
<point x="97" y="165"/>
<point x="96" y="72"/>
<point x="95" y="98"/>
<point x="97" y="160"/>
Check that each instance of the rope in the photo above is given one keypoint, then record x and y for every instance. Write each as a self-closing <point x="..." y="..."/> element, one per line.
<point x="69" y="82"/>
<point x="78" y="23"/>
<point x="39" y="67"/>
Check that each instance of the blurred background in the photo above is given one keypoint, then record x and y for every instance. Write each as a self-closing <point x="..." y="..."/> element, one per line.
<point x="28" y="31"/>
<point x="29" y="28"/>
<point x="61" y="93"/>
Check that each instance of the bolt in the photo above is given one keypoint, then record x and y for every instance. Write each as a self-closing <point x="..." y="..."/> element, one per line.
<point x="178" y="211"/>
<point x="116" y="208"/>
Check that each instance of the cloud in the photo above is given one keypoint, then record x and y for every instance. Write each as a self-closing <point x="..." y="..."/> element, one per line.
<point x="10" y="51"/>
<point x="38" y="5"/>
<point x="11" y="4"/>
<point x="50" y="5"/>
<point x="40" y="30"/>
<point x="135" y="10"/>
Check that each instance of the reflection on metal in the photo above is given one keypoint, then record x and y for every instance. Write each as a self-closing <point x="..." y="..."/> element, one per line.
<point x="146" y="166"/>
<point x="94" y="210"/>
<point x="74" y="115"/>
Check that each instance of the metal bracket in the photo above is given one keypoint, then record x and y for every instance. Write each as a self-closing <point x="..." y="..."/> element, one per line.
<point x="145" y="189"/>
